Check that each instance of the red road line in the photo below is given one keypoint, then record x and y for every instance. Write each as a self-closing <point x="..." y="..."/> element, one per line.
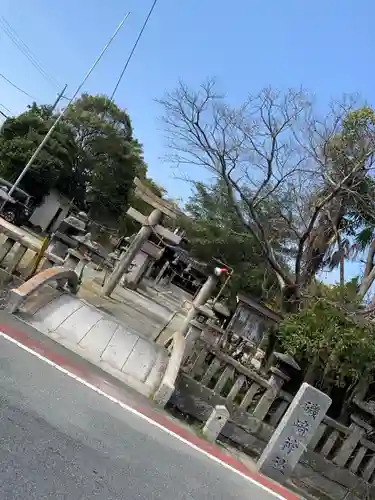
<point x="148" y="412"/>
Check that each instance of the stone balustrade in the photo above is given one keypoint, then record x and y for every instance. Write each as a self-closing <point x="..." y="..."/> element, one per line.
<point x="210" y="378"/>
<point x="347" y="447"/>
<point x="339" y="459"/>
<point x="16" y="242"/>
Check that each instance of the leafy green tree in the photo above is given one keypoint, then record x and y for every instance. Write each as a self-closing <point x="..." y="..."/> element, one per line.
<point x="108" y="154"/>
<point x="54" y="167"/>
<point x="330" y="334"/>
<point x="92" y="156"/>
<point x="334" y="344"/>
<point x="213" y="231"/>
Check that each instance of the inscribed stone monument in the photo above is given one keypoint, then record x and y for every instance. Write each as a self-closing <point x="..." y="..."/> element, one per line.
<point x="294" y="433"/>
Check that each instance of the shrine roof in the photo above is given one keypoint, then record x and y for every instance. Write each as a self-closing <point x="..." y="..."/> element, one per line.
<point x="260" y="308"/>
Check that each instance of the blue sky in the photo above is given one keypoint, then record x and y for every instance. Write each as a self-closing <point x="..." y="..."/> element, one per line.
<point x="325" y="46"/>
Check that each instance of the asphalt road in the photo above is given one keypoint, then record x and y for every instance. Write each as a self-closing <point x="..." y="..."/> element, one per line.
<point x="61" y="440"/>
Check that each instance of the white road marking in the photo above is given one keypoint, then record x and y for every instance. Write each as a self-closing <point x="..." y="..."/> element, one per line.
<point x="137" y="413"/>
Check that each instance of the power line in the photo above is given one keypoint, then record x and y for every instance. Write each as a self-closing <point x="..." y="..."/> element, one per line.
<point x="133" y="49"/>
<point x="6" y="109"/>
<point x="26" y="51"/>
<point x="16" y="86"/>
<point x="63" y="111"/>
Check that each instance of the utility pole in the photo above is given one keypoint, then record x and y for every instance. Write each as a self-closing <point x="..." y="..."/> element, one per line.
<point x="59" y="97"/>
<point x="62" y="113"/>
<point x="2" y="125"/>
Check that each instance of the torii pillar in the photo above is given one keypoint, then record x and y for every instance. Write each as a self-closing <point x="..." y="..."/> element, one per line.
<point x="150" y="224"/>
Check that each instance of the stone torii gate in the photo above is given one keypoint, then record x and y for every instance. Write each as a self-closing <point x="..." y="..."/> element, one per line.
<point x="150" y="224"/>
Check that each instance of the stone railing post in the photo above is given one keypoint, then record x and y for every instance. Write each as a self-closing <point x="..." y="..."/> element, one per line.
<point x="6" y="247"/>
<point x="276" y="381"/>
<point x="358" y="428"/>
<point x="76" y="261"/>
<point x="215" y="423"/>
<point x="193" y="334"/>
<point x="16" y="258"/>
<point x="285" y="363"/>
<point x="196" y="327"/>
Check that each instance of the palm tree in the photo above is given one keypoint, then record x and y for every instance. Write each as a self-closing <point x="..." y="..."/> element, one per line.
<point x="336" y="258"/>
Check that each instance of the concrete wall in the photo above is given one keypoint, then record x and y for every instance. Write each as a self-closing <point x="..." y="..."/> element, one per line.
<point x="43" y="214"/>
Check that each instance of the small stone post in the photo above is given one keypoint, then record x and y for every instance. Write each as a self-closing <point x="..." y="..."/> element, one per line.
<point x="276" y="381"/>
<point x="215" y="423"/>
<point x="294" y="433"/>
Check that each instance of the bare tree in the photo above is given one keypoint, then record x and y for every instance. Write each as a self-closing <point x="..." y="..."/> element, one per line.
<point x="287" y="170"/>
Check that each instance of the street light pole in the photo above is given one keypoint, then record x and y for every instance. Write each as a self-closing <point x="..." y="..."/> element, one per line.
<point x="63" y="111"/>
